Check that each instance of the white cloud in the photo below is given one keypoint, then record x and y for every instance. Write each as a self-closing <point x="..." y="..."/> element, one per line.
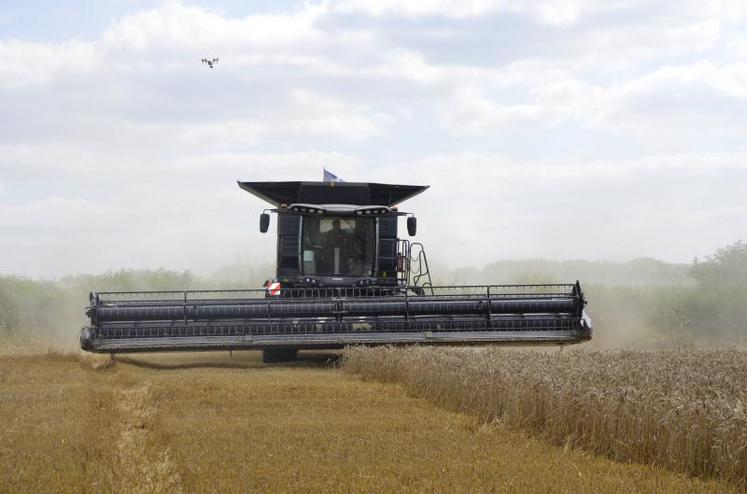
<point x="48" y="213"/>
<point x="549" y="104"/>
<point x="176" y="25"/>
<point x="481" y="207"/>
<point x="484" y="207"/>
<point x="184" y="213"/>
<point x="654" y="103"/>
<point x="560" y="12"/>
<point x="680" y="100"/>
<point x="319" y="115"/>
<point x="469" y="111"/>
<point x="29" y="64"/>
<point x="556" y="129"/>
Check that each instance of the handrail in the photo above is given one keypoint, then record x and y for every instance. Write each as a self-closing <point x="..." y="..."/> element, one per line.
<point x="423" y="271"/>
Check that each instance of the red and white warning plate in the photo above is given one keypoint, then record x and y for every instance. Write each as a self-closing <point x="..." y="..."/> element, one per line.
<point x="273" y="289"/>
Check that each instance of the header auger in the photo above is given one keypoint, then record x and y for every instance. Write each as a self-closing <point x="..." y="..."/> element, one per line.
<point x="343" y="278"/>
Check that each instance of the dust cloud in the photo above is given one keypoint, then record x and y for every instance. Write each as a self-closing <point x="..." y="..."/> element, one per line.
<point x="643" y="303"/>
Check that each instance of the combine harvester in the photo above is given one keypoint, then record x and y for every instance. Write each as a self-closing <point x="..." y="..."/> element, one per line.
<point x="343" y="278"/>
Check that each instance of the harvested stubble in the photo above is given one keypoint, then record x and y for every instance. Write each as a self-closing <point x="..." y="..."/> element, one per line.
<point x="683" y="410"/>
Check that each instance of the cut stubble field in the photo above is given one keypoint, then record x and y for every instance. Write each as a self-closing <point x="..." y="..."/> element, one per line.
<point x="210" y="422"/>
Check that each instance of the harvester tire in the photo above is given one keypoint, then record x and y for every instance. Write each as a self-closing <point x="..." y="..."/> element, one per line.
<point x="275" y="355"/>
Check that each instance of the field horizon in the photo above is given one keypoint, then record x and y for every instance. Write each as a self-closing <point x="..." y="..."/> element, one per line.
<point x="642" y="303"/>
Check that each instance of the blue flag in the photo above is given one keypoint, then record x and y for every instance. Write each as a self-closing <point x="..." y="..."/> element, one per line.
<point x="331" y="177"/>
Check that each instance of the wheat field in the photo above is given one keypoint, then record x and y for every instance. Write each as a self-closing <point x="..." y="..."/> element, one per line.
<point x="215" y="423"/>
<point x="682" y="410"/>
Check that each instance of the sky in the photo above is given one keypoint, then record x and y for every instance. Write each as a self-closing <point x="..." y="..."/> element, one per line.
<point x="565" y="129"/>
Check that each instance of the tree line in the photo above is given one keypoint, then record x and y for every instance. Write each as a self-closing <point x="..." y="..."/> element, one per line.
<point x="642" y="303"/>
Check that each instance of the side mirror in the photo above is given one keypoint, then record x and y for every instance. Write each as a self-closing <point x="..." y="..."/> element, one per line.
<point x="412" y="226"/>
<point x="264" y="222"/>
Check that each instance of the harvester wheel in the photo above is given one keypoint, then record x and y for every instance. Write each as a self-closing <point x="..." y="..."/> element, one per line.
<point x="275" y="355"/>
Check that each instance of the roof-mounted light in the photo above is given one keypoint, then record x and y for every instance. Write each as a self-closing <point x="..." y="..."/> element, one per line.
<point x="376" y="210"/>
<point x="307" y="208"/>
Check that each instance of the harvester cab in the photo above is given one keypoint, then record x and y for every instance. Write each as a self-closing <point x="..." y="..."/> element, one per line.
<point x="341" y="235"/>
<point x="343" y="277"/>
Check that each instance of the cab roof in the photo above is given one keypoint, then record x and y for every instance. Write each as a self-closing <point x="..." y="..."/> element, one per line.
<point x="357" y="193"/>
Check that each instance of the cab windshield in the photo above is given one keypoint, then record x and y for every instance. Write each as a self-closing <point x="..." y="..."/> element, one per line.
<point x="338" y="246"/>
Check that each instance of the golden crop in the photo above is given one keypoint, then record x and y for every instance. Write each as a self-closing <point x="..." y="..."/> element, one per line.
<point x="212" y="422"/>
<point x="683" y="410"/>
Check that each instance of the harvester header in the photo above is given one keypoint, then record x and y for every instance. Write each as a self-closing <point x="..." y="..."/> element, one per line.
<point x="343" y="277"/>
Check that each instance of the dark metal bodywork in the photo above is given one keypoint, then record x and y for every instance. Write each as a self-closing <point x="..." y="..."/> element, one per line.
<point x="333" y="318"/>
<point x="358" y="193"/>
<point x="394" y="304"/>
<point x="337" y="199"/>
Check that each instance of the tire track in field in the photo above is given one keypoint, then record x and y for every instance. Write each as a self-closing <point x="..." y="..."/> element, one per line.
<point x="141" y="466"/>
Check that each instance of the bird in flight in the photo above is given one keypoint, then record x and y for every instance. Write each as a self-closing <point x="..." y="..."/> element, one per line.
<point x="210" y="61"/>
